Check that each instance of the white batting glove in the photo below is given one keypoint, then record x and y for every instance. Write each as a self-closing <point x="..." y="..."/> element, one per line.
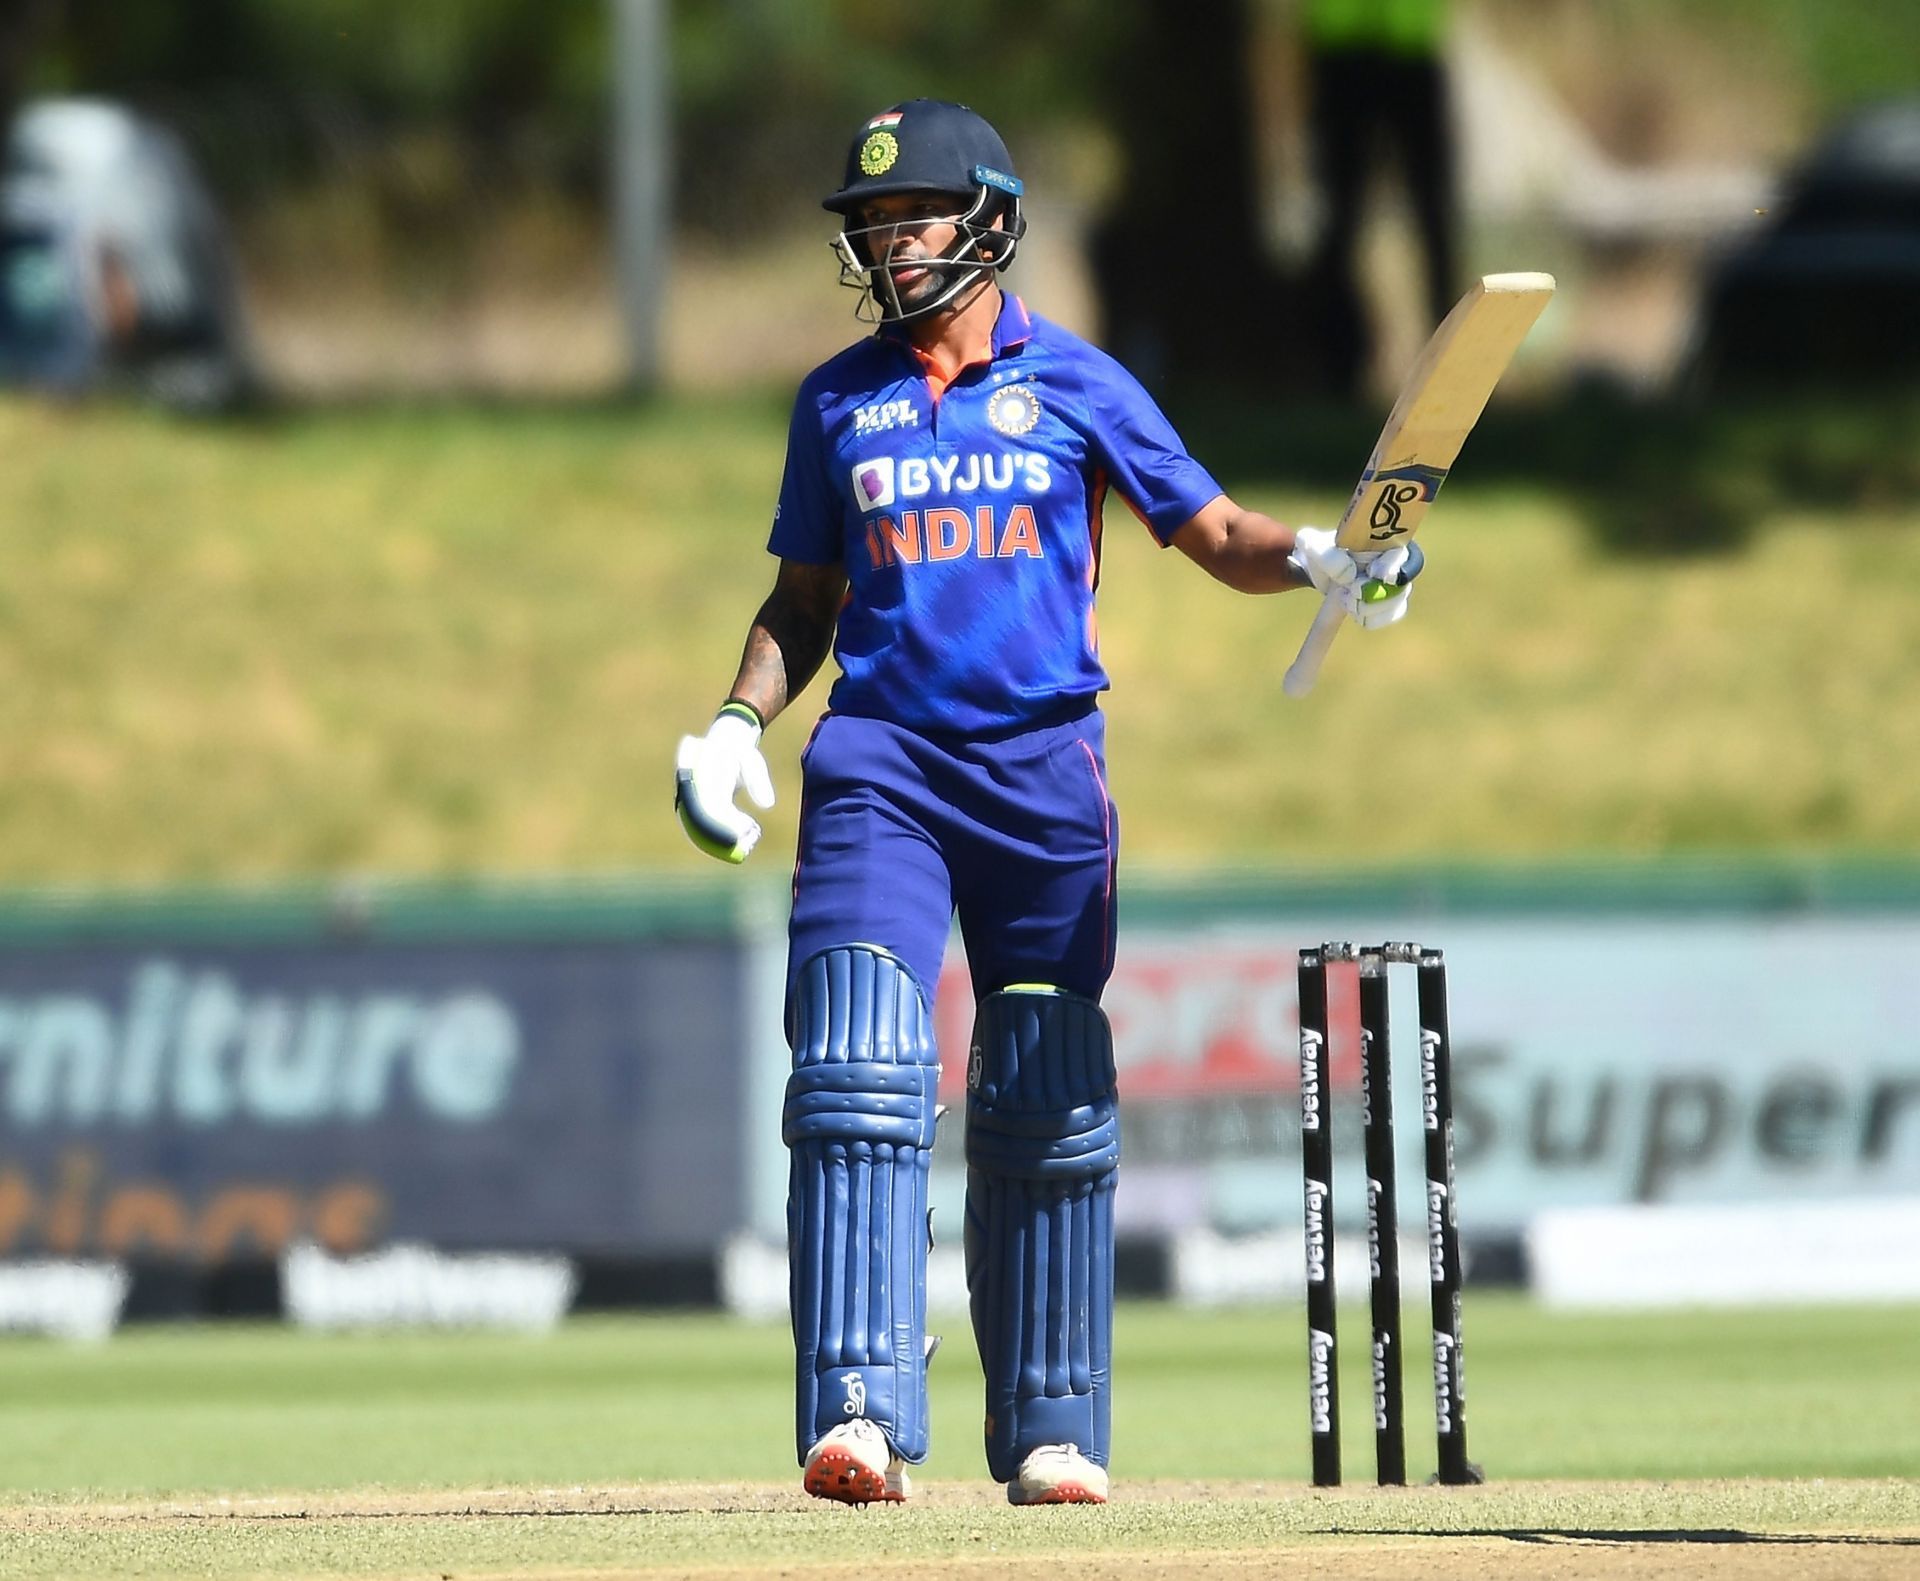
<point x="1322" y="561"/>
<point x="1380" y="598"/>
<point x="709" y="772"/>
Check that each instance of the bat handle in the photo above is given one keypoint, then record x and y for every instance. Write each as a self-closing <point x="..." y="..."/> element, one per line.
<point x="1305" y="669"/>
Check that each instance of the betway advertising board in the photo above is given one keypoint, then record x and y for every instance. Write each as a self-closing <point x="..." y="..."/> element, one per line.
<point x="210" y="1102"/>
<point x="1704" y="1060"/>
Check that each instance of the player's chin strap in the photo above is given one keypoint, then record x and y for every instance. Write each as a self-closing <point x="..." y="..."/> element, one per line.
<point x="978" y="250"/>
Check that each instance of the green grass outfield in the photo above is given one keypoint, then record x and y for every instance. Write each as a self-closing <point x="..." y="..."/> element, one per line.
<point x="629" y="1444"/>
<point x="451" y="640"/>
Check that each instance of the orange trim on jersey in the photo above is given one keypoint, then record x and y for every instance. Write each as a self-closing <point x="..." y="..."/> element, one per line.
<point x="939" y="383"/>
<point x="1106" y="830"/>
<point x="1096" y="524"/>
<point x="1001" y="339"/>
<point x="1096" y="529"/>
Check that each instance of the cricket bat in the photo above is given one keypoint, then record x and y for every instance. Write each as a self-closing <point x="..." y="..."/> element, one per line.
<point x="1439" y="403"/>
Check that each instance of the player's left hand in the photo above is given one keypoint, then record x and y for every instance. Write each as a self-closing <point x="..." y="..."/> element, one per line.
<point x="709" y="771"/>
<point x="1381" y="595"/>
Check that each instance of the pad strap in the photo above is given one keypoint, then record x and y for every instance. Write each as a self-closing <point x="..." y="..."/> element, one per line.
<point x="1043" y="1153"/>
<point x="858" y="1121"/>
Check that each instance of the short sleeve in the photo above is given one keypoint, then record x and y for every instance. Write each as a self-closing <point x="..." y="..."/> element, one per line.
<point x="807" y="522"/>
<point x="1145" y="460"/>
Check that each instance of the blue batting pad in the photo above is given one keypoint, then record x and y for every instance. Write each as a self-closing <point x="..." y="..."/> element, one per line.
<point x="859" y="1124"/>
<point x="1043" y="1152"/>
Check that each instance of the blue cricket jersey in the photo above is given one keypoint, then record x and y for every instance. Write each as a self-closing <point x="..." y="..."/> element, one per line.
<point x="968" y="519"/>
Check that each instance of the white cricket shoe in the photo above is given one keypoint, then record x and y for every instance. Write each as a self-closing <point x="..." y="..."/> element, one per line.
<point x="1058" y="1474"/>
<point x="855" y="1464"/>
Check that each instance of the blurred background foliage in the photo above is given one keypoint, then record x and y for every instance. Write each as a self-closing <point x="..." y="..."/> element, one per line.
<point x="269" y="90"/>
<point x="443" y="602"/>
<point x="272" y="89"/>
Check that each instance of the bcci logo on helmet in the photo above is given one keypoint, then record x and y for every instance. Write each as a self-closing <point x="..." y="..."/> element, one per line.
<point x="878" y="153"/>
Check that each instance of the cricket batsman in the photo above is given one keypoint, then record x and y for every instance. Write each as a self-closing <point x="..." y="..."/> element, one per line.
<point x="938" y="530"/>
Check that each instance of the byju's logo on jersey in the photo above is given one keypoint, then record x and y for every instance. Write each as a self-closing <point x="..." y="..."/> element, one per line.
<point x="877" y="482"/>
<point x="879" y="418"/>
<point x="873" y="483"/>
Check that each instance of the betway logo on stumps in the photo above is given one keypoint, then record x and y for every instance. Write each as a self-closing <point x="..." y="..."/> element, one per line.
<point x="1310" y="1095"/>
<point x="1444" y="1362"/>
<point x="1317" y="1232"/>
<point x="1320" y="1379"/>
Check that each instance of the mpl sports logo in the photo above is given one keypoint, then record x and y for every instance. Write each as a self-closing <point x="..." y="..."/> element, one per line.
<point x="881" y="416"/>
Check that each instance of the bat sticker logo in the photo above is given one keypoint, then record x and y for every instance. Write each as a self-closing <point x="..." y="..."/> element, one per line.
<point x="1403" y="486"/>
<point x="1385" y="520"/>
<point x="1439" y="402"/>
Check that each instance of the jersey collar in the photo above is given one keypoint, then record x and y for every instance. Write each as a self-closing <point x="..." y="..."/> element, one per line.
<point x="1012" y="328"/>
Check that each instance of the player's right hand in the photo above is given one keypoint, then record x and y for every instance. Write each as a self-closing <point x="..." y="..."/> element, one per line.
<point x="709" y="771"/>
<point x="1327" y="566"/>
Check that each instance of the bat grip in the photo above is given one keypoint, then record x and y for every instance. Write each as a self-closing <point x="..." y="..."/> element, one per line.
<point x="1305" y="669"/>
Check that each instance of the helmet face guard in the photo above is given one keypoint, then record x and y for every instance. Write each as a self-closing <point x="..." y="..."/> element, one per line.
<point x="980" y="248"/>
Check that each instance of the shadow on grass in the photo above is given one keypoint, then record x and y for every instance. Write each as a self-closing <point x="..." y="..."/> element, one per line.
<point x="270" y="1517"/>
<point x="1704" y="1535"/>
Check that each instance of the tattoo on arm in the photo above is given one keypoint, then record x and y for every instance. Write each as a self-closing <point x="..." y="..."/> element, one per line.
<point x="790" y="637"/>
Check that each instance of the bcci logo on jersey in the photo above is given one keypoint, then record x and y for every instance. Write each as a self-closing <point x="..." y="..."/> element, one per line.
<point x="1014" y="410"/>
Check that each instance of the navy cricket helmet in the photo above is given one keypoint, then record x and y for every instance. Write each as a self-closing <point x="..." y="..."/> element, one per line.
<point x="940" y="149"/>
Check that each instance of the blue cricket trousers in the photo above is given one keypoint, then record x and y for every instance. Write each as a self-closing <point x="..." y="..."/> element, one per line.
<point x="899" y="831"/>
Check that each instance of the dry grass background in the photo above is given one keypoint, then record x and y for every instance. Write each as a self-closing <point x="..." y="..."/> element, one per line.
<point x="435" y="640"/>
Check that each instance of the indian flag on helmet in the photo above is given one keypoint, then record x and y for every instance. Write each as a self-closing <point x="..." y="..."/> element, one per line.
<point x="883" y="120"/>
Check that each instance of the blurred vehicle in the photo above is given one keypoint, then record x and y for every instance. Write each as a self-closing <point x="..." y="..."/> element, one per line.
<point x="114" y="266"/>
<point x="1829" y="293"/>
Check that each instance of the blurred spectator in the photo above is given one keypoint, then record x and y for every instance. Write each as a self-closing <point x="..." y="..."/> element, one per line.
<point x="1190" y="296"/>
<point x="114" y="268"/>
<point x="1827" y="294"/>
<point x="1376" y="79"/>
